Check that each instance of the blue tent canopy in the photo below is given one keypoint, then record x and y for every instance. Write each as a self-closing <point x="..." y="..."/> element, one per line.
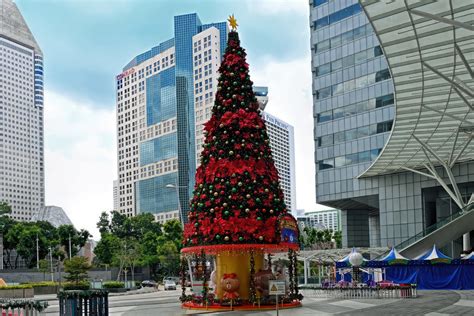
<point x="394" y="256"/>
<point x="469" y="256"/>
<point x="433" y="254"/>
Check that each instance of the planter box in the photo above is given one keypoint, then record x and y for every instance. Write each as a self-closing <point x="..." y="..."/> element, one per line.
<point x="16" y="293"/>
<point x="42" y="290"/>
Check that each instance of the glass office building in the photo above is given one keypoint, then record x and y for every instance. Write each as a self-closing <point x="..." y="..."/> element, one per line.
<point x="164" y="95"/>
<point x="21" y="115"/>
<point x="391" y="131"/>
<point x="353" y="109"/>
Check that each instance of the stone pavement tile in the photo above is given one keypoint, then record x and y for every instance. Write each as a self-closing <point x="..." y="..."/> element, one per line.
<point x="352" y="304"/>
<point x="428" y="301"/>
<point x="436" y="314"/>
<point x="468" y="303"/>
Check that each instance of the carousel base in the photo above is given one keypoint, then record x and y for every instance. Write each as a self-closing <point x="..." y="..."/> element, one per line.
<point x="240" y="307"/>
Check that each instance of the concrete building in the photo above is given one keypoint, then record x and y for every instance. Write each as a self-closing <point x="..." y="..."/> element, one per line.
<point x="164" y="95"/>
<point x="55" y="215"/>
<point x="115" y="195"/>
<point x="393" y="120"/>
<point x="21" y="115"/>
<point x="329" y="219"/>
<point x="282" y="143"/>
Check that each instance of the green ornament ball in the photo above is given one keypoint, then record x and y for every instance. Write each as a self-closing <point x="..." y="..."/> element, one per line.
<point x="241" y="238"/>
<point x="226" y="213"/>
<point x="218" y="237"/>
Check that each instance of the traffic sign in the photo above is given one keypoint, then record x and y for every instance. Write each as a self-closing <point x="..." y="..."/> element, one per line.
<point x="277" y="287"/>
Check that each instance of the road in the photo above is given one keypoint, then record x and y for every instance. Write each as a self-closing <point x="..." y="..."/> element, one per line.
<point x="429" y="303"/>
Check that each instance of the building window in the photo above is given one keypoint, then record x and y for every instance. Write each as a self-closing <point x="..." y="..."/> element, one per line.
<point x="384" y="100"/>
<point x="326" y="164"/>
<point x="382" y="75"/>
<point x="323" y="93"/>
<point x="319" y="2"/>
<point x="323" y="69"/>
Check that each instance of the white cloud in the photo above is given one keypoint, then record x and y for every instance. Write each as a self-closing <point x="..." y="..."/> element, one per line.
<point x="80" y="153"/>
<point x="272" y="7"/>
<point x="290" y="99"/>
<point x="80" y="159"/>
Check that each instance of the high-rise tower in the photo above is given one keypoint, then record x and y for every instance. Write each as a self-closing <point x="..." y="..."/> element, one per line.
<point x="21" y="115"/>
<point x="164" y="96"/>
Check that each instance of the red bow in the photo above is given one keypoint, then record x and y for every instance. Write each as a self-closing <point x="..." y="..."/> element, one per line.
<point x="229" y="276"/>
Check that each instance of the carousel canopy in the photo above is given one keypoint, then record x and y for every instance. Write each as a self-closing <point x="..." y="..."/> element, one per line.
<point x="393" y="255"/>
<point x="346" y="258"/>
<point x="433" y="254"/>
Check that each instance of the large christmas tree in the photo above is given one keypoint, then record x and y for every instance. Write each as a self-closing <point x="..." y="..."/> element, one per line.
<point x="237" y="198"/>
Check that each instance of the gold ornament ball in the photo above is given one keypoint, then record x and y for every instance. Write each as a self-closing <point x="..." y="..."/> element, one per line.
<point x="226" y="238"/>
<point x="216" y="194"/>
<point x="224" y="205"/>
<point x="248" y="196"/>
<point x="261" y="237"/>
<point x="211" y="210"/>
<point x="271" y="211"/>
<point x="247" y="210"/>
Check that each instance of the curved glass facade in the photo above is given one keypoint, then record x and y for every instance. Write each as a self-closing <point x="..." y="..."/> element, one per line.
<point x="161" y="96"/>
<point x="156" y="123"/>
<point x="153" y="195"/>
<point x="157" y="149"/>
<point x="39" y="99"/>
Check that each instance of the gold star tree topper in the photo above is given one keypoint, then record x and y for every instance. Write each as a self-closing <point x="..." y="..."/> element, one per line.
<point x="233" y="22"/>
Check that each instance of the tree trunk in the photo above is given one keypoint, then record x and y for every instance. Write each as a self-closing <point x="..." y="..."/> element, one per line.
<point x="120" y="271"/>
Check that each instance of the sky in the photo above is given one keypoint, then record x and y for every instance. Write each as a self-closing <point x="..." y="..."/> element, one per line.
<point x="86" y="43"/>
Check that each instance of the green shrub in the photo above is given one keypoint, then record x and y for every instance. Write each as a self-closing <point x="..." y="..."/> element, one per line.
<point x="42" y="284"/>
<point x="16" y="287"/>
<point x="114" y="285"/>
<point x="76" y="286"/>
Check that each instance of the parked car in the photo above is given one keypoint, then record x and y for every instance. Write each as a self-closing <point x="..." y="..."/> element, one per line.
<point x="170" y="285"/>
<point x="171" y="278"/>
<point x="149" y="283"/>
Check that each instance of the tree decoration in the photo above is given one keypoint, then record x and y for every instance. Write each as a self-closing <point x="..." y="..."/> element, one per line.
<point x="290" y="272"/>
<point x="253" y="290"/>
<point x="238" y="207"/>
<point x="182" y="274"/>
<point x="205" y="287"/>
<point x="237" y="197"/>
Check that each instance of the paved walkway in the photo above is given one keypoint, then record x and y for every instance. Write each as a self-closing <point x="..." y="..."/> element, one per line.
<point x="429" y="303"/>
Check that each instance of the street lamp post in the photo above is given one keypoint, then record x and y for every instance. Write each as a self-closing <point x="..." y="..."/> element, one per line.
<point x="70" y="253"/>
<point x="176" y="187"/>
<point x="37" y="252"/>
<point x="51" y="263"/>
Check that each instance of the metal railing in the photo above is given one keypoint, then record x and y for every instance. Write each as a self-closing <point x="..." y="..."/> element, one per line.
<point x="83" y="303"/>
<point x="20" y="307"/>
<point x="393" y="292"/>
<point x="430" y="229"/>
